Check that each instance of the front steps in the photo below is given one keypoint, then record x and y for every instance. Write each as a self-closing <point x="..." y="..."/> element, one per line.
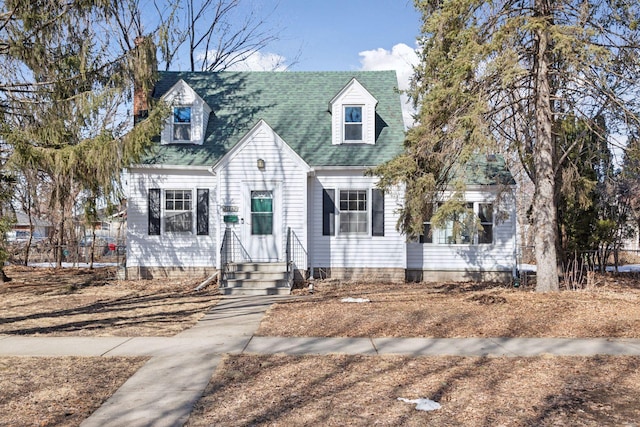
<point x="256" y="278"/>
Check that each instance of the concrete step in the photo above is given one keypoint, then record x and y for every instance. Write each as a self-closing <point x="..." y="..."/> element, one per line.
<point x="257" y="275"/>
<point x="256" y="278"/>
<point x="257" y="283"/>
<point x="273" y="267"/>
<point x="254" y="291"/>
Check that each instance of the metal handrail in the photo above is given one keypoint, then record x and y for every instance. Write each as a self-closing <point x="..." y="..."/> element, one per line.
<point x="296" y="256"/>
<point x="231" y="252"/>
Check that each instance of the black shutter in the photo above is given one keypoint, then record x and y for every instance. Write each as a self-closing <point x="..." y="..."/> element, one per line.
<point x="377" y="212"/>
<point x="202" y="213"/>
<point x="426" y="236"/>
<point x="154" y="211"/>
<point x="328" y="212"/>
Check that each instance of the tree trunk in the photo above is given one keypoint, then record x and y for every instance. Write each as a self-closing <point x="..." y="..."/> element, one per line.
<point x="544" y="204"/>
<point x="60" y="248"/>
<point x="3" y="277"/>
<point x="93" y="246"/>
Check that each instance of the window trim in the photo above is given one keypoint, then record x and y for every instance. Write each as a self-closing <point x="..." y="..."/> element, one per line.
<point x="256" y="230"/>
<point x="357" y="201"/>
<point x="199" y="210"/>
<point x="332" y="214"/>
<point x="189" y="123"/>
<point x="183" y="200"/>
<point x="361" y="123"/>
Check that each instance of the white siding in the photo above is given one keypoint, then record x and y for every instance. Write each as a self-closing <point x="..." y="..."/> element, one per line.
<point x="284" y="172"/>
<point x="354" y="94"/>
<point x="498" y="256"/>
<point x="183" y="95"/>
<point x="342" y="251"/>
<point x="168" y="249"/>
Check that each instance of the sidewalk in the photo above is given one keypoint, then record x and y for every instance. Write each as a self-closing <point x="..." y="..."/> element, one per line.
<point x="163" y="391"/>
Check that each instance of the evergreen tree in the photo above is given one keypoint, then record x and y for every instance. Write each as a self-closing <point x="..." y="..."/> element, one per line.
<point x="66" y="119"/>
<point x="503" y="75"/>
<point x="6" y="220"/>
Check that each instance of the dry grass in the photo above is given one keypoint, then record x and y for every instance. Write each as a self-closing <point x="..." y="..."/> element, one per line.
<point x="83" y="302"/>
<point x="362" y="391"/>
<point x="280" y="390"/>
<point x="460" y="310"/>
<point x="50" y="391"/>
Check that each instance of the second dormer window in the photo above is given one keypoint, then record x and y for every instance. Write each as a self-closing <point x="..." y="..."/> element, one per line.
<point x="182" y="123"/>
<point x="352" y="123"/>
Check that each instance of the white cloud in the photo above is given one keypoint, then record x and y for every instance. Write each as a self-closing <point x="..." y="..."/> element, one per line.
<point x="402" y="59"/>
<point x="258" y="61"/>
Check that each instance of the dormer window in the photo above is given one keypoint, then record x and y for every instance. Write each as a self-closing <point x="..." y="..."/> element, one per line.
<point x="182" y="123"/>
<point x="353" y="123"/>
<point x="187" y="123"/>
<point x="353" y="115"/>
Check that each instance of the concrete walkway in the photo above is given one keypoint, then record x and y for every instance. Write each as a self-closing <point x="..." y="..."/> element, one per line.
<point x="164" y="390"/>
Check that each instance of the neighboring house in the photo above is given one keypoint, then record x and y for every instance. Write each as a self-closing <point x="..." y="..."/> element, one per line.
<point x="270" y="166"/>
<point x="23" y="228"/>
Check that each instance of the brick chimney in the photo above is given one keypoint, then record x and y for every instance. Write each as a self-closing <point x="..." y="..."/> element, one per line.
<point x="144" y="68"/>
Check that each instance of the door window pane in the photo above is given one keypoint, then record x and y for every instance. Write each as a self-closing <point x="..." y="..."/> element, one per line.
<point x="261" y="213"/>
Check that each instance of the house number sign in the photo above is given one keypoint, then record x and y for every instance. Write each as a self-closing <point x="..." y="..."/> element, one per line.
<point x="230" y="209"/>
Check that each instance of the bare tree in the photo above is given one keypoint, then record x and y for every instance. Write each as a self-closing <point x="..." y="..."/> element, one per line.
<point x="213" y="34"/>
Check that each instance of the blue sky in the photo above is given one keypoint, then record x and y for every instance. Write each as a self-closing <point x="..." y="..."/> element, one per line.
<point x="341" y="35"/>
<point x="332" y="34"/>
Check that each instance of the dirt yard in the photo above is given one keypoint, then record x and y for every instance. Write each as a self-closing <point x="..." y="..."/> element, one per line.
<point x="363" y="391"/>
<point x="83" y="302"/>
<point x="333" y="390"/>
<point x="612" y="309"/>
<point x="59" y="391"/>
<point x="63" y="391"/>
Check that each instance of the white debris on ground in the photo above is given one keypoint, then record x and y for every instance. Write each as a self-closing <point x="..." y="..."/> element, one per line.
<point x="422" y="404"/>
<point x="357" y="300"/>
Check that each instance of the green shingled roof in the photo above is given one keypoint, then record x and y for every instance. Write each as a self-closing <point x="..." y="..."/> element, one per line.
<point x="295" y="105"/>
<point x="486" y="170"/>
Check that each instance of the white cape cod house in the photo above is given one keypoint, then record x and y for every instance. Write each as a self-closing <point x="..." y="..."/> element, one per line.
<point x="269" y="168"/>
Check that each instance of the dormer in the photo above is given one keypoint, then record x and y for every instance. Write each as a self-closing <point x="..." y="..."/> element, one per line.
<point x="188" y="118"/>
<point x="353" y="115"/>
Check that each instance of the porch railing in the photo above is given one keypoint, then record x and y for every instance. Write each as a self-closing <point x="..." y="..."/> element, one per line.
<point x="296" y="258"/>
<point x="231" y="252"/>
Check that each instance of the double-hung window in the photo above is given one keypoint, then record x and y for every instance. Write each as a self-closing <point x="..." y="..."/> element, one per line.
<point x="354" y="215"/>
<point x="353" y="212"/>
<point x="181" y="123"/>
<point x="353" y="123"/>
<point x="178" y="214"/>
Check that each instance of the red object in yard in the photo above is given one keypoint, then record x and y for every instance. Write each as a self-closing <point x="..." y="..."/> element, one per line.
<point x="112" y="247"/>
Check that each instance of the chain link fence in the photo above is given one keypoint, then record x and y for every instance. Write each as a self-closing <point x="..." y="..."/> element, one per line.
<point x="105" y="251"/>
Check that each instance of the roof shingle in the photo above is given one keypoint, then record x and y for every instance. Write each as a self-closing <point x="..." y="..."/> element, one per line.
<point x="295" y="105"/>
